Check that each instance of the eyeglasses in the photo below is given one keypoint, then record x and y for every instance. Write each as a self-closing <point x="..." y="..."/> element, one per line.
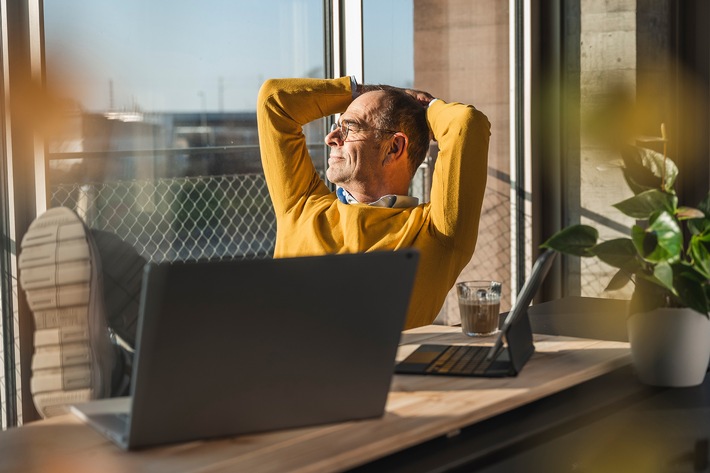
<point x="345" y="127"/>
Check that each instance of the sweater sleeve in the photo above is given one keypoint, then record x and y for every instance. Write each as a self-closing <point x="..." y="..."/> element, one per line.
<point x="460" y="173"/>
<point x="284" y="106"/>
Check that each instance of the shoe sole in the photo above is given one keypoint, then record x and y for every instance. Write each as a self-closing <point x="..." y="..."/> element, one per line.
<point x="61" y="276"/>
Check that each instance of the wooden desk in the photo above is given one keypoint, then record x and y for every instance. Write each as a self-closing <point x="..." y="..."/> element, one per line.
<point x="419" y="408"/>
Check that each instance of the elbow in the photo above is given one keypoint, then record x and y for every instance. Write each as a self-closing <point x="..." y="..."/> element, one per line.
<point x="267" y="90"/>
<point x="469" y="123"/>
<point x="479" y="122"/>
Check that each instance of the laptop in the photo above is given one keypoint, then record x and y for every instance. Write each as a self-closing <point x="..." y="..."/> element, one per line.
<point x="513" y="346"/>
<point x="228" y="348"/>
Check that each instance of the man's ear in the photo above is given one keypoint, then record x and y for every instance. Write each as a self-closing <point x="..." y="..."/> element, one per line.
<point x="397" y="148"/>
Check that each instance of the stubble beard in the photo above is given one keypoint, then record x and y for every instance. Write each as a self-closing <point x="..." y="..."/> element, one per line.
<point x="337" y="174"/>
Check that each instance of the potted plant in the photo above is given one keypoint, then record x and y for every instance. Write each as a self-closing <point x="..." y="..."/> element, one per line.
<point x="667" y="257"/>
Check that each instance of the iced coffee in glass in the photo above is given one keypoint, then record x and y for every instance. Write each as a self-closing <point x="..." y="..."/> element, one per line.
<point x="479" y="304"/>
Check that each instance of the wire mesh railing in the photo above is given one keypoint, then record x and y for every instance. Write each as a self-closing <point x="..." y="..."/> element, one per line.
<point x="189" y="218"/>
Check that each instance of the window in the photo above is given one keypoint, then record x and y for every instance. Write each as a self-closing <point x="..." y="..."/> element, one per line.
<point x="153" y="132"/>
<point x="457" y="51"/>
<point x="158" y="141"/>
<point x="612" y="54"/>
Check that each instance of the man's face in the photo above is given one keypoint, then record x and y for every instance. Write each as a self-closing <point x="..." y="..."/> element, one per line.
<point x="357" y="160"/>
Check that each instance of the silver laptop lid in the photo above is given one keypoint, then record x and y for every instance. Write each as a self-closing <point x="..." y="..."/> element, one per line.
<point x="244" y="346"/>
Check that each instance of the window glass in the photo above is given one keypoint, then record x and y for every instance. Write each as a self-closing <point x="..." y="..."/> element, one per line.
<point x="159" y="141"/>
<point x="388" y="38"/>
<point x="457" y="51"/>
<point x="615" y="56"/>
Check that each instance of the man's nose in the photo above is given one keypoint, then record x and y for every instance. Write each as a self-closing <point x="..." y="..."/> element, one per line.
<point x="333" y="138"/>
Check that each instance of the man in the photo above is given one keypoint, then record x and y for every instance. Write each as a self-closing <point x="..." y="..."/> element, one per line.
<point x="375" y="149"/>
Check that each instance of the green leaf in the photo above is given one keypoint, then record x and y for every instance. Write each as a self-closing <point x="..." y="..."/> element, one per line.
<point x="644" y="242"/>
<point x="669" y="234"/>
<point x="644" y="168"/>
<point x="664" y="273"/>
<point x="699" y="225"/>
<point x="619" y="280"/>
<point x="661" y="241"/>
<point x="704" y="206"/>
<point x="651" y="278"/>
<point x="660" y="165"/>
<point x="573" y="240"/>
<point x="699" y="249"/>
<point x="643" y="205"/>
<point x="619" y="252"/>
<point x="637" y="176"/>
<point x="692" y="293"/>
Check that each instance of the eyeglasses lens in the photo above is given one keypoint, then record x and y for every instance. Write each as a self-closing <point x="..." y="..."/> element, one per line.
<point x="343" y="129"/>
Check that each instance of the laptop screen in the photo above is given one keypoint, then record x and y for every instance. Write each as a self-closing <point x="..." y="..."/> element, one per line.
<point x="525" y="297"/>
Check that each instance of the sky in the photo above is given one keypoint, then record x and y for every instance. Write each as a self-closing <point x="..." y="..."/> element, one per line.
<point x="205" y="55"/>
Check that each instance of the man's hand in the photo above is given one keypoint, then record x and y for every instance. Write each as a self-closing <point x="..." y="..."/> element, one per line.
<point x="419" y="95"/>
<point x="422" y="97"/>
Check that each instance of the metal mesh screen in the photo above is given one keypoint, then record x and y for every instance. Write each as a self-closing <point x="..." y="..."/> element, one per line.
<point x="190" y="218"/>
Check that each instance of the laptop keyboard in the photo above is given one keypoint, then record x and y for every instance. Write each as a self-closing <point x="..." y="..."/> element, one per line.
<point x="461" y="360"/>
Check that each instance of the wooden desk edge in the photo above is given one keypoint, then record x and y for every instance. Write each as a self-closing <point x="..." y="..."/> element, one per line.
<point x="403" y="426"/>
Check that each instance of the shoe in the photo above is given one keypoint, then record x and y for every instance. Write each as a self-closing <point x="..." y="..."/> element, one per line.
<point x="60" y="272"/>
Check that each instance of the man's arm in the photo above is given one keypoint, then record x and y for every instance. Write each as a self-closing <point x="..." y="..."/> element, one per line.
<point x="283" y="107"/>
<point x="460" y="174"/>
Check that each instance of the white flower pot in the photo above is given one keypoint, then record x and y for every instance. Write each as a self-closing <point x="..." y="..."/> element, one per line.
<point x="670" y="346"/>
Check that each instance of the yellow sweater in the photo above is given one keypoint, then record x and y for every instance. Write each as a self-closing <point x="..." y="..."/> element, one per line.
<point x="312" y="221"/>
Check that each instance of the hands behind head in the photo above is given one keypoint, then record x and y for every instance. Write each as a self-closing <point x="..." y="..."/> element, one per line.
<point x="420" y="96"/>
<point x="423" y="98"/>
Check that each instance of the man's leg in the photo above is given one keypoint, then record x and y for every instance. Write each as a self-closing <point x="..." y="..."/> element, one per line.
<point x="61" y="273"/>
<point x="122" y="269"/>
